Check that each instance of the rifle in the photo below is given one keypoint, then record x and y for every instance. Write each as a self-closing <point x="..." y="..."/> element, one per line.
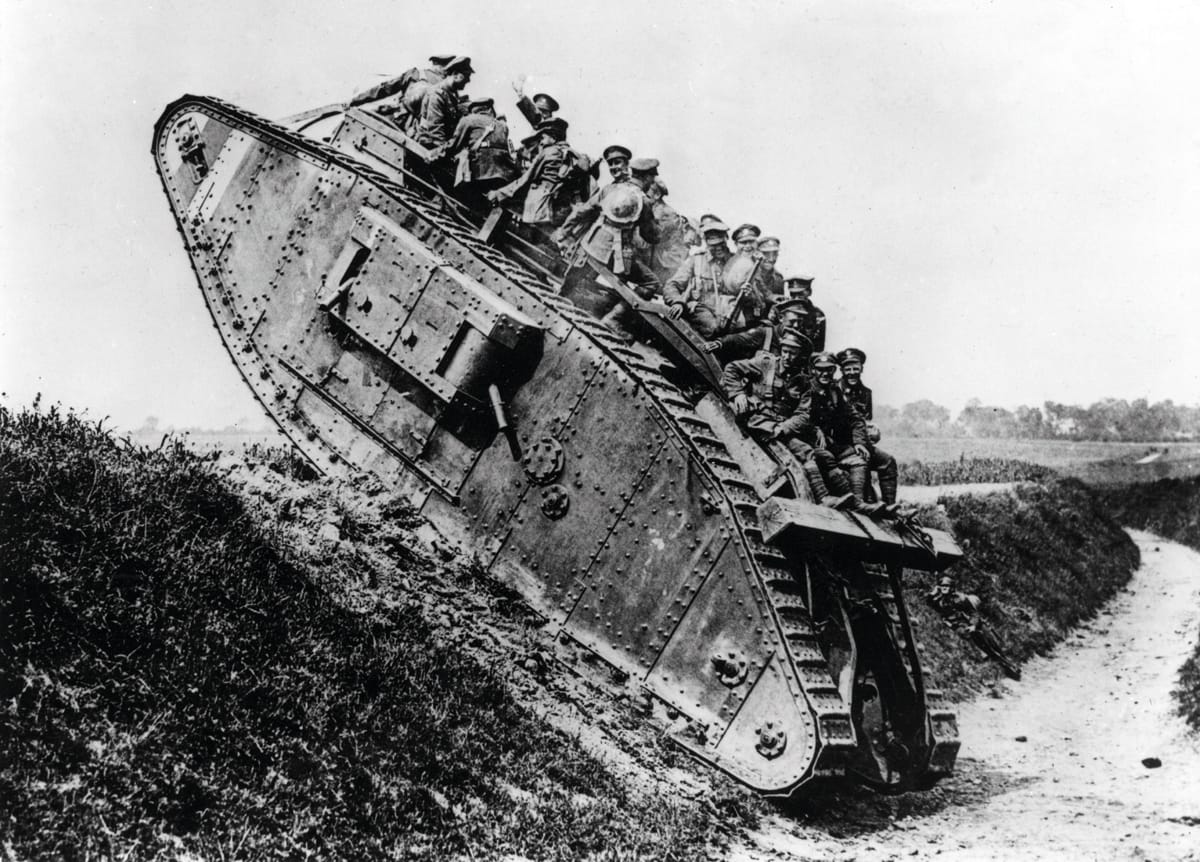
<point x="741" y="295"/>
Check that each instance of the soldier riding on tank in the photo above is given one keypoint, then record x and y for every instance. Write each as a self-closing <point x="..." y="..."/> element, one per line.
<point x="835" y="431"/>
<point x="851" y="361"/>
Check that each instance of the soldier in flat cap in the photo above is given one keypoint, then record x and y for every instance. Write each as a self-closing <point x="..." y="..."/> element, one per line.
<point x="857" y="393"/>
<point x="482" y="151"/>
<point x="835" y="430"/>
<point x="694" y="292"/>
<point x="440" y="111"/>
<point x="769" y="280"/>
<point x="540" y="107"/>
<point x="812" y="323"/>
<point x="549" y="184"/>
<point x="745" y="237"/>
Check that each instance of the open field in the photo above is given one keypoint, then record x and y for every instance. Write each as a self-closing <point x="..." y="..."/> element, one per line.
<point x="1093" y="461"/>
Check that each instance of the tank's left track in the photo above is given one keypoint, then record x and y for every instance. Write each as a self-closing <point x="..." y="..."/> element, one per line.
<point x="773" y="587"/>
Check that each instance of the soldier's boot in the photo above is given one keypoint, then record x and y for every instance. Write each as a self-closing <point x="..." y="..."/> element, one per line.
<point x="857" y="482"/>
<point x="889" y="481"/>
<point x="820" y="492"/>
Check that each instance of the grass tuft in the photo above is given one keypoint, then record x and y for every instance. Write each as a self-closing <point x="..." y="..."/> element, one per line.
<point x="173" y="681"/>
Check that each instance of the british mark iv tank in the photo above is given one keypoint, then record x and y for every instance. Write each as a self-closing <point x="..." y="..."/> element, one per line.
<point x="388" y="327"/>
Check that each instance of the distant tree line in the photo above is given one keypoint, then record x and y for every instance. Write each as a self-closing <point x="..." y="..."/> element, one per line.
<point x="1108" y="419"/>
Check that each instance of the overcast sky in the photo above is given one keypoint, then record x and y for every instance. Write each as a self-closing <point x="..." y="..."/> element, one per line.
<point x="997" y="200"/>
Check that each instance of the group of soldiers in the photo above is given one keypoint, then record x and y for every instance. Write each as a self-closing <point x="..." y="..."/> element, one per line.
<point x="761" y="326"/>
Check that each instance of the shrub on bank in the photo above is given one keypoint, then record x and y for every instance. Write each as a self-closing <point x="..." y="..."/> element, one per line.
<point x="171" y="681"/>
<point x="1042" y="559"/>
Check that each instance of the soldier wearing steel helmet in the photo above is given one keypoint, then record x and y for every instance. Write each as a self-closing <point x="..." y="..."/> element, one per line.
<point x="609" y="221"/>
<point x="857" y="393"/>
<point x="835" y="430"/>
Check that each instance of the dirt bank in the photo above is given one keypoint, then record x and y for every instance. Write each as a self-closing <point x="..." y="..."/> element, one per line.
<point x="1053" y="768"/>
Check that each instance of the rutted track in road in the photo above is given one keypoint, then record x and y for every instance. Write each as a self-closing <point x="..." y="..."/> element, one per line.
<point x="1053" y="768"/>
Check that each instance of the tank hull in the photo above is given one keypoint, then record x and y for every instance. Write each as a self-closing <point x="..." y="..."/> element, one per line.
<point x="382" y="335"/>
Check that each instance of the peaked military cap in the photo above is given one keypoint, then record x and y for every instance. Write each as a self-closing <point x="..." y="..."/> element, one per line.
<point x="441" y="59"/>
<point x="617" y="150"/>
<point x="791" y="306"/>
<point x="481" y="104"/>
<point x="547" y="103"/>
<point x="644" y="166"/>
<point x="555" y="125"/>
<point x="795" y="338"/>
<point x="711" y="224"/>
<point x="800" y="281"/>
<point x="746" y="230"/>
<point x="768" y="243"/>
<point x="852" y="354"/>
<point x="460" y="64"/>
<point x="823" y="360"/>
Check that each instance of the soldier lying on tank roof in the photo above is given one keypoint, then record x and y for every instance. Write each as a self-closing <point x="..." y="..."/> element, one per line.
<point x="884" y="465"/>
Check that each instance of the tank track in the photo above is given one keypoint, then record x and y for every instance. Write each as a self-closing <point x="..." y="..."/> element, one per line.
<point x="782" y="590"/>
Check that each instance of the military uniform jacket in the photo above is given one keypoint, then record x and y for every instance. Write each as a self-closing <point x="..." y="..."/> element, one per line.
<point x="827" y="411"/>
<point x="390" y="87"/>
<point x="485" y="142"/>
<point x="606" y="241"/>
<point x="814" y="327"/>
<point x="439" y="115"/>
<point x="860" y="397"/>
<point x="673" y="247"/>
<point x="762" y="377"/>
<point x="700" y="278"/>
<point x="547" y="202"/>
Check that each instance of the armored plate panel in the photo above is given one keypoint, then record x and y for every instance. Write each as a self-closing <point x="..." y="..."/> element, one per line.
<point x="382" y="335"/>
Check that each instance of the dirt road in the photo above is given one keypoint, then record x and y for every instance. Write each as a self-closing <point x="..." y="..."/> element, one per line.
<point x="1053" y="768"/>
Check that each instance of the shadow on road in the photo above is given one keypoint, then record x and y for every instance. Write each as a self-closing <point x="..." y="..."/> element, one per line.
<point x="845" y="810"/>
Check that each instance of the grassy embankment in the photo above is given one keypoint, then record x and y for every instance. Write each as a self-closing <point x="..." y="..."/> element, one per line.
<point x="1042" y="559"/>
<point x="184" y="673"/>
<point x="1169" y="508"/>
<point x="173" y="681"/>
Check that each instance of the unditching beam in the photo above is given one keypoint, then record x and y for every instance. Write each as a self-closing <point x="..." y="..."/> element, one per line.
<point x="797" y="525"/>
